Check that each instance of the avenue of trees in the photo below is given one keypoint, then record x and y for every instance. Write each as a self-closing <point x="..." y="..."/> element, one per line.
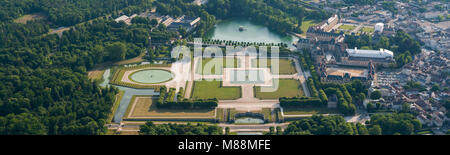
<point x="150" y="128"/>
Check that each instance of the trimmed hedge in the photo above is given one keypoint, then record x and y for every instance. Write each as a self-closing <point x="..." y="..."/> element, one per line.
<point x="165" y="100"/>
<point x="190" y="104"/>
<point x="301" y="102"/>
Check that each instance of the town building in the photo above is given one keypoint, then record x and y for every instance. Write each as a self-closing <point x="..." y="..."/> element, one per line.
<point x="358" y="57"/>
<point x="379" y="27"/>
<point x="125" y="19"/>
<point x="187" y="23"/>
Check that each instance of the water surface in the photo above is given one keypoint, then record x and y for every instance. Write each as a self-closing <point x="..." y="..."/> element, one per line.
<point x="229" y="30"/>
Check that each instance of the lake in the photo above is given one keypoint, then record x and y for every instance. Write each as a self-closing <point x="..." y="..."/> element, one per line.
<point x="229" y="30"/>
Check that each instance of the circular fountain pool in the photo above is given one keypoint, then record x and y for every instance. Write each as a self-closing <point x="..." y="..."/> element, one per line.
<point x="151" y="76"/>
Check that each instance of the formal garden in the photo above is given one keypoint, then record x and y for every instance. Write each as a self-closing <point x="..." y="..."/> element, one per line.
<point x="286" y="88"/>
<point x="286" y="66"/>
<point x="212" y="69"/>
<point x="213" y="89"/>
<point x="145" y="107"/>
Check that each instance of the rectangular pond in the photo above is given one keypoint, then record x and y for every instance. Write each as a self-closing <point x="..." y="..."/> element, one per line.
<point x="246" y="76"/>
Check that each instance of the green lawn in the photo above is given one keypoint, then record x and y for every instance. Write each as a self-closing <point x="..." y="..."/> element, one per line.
<point x="347" y="27"/>
<point x="367" y="29"/>
<point x="286" y="66"/>
<point x="306" y="24"/>
<point x="312" y="111"/>
<point x="213" y="89"/>
<point x="286" y="88"/>
<point x="220" y="66"/>
<point x="144" y="107"/>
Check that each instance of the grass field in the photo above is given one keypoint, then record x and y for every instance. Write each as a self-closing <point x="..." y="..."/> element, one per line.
<point x="286" y="88"/>
<point x="96" y="74"/>
<point x="306" y="24"/>
<point x="286" y="66"/>
<point x="144" y="107"/>
<point x="267" y="112"/>
<point x="367" y="29"/>
<point x="220" y="114"/>
<point x="347" y="27"/>
<point x="35" y="16"/>
<point x="213" y="89"/>
<point x="220" y="66"/>
<point x="306" y="111"/>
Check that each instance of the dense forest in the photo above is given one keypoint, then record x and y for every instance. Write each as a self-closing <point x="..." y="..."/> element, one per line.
<point x="380" y="124"/>
<point x="150" y="128"/>
<point x="45" y="88"/>
<point x="68" y="12"/>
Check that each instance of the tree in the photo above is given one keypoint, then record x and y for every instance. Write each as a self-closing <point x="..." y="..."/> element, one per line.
<point x="375" y="130"/>
<point x="371" y="107"/>
<point x="227" y="131"/>
<point x="179" y="129"/>
<point x="435" y="88"/>
<point x="375" y="95"/>
<point x="271" y="130"/>
<point x="279" y="130"/>
<point x="362" y="130"/>
<point x="117" y="51"/>
<point x="406" y="108"/>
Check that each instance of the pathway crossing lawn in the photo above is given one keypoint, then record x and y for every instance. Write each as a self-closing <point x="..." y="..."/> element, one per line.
<point x="286" y="66"/>
<point x="307" y="111"/>
<point x="286" y="88"/>
<point x="213" y="89"/>
<point x="212" y="70"/>
<point x="144" y="107"/>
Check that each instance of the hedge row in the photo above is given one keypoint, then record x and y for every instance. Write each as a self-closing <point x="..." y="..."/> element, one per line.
<point x="301" y="102"/>
<point x="190" y="104"/>
<point x="165" y="100"/>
